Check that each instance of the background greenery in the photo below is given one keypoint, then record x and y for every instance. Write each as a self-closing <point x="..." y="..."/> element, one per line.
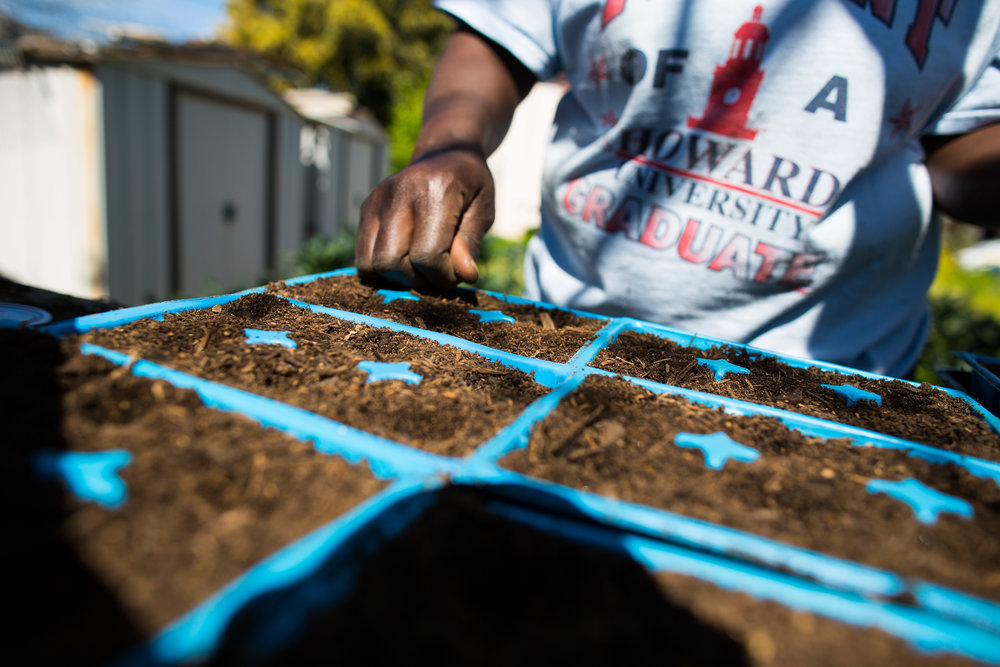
<point x="382" y="51"/>
<point x="965" y="309"/>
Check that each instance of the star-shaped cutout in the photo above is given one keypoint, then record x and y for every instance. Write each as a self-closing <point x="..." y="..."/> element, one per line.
<point x="378" y="371"/>
<point x="262" y="337"/>
<point x="720" y="367"/>
<point x="608" y="119"/>
<point x="487" y="316"/>
<point x="926" y="502"/>
<point x="852" y="394"/>
<point x="89" y="475"/>
<point x="901" y="121"/>
<point x="598" y="71"/>
<point x="390" y="295"/>
<point x="717" y="448"/>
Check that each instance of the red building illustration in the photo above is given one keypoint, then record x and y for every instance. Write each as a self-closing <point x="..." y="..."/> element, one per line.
<point x="735" y="83"/>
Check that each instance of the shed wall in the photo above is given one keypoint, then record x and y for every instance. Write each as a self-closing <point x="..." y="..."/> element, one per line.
<point x="92" y="194"/>
<point x="150" y="191"/>
<point x="137" y="157"/>
<point x="51" y="194"/>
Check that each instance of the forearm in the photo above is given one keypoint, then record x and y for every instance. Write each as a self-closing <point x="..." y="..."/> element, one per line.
<point x="965" y="175"/>
<point x="424" y="225"/>
<point x="471" y="97"/>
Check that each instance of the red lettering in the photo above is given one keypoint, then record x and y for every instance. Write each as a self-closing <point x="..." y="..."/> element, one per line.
<point x="771" y="257"/>
<point x="735" y="257"/>
<point x="918" y="35"/>
<point x="662" y="228"/>
<point x="573" y="198"/>
<point x="882" y="9"/>
<point x="596" y="208"/>
<point x="685" y="247"/>
<point x="612" y="8"/>
<point x="626" y="218"/>
<point x="800" y="269"/>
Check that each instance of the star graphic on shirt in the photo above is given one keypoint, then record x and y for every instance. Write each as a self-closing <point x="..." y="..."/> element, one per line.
<point x="901" y="121"/>
<point x="608" y="119"/>
<point x="598" y="71"/>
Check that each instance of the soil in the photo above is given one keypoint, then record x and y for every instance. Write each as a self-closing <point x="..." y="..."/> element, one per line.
<point x="209" y="495"/>
<point x="552" y="335"/>
<point x="616" y="439"/>
<point x="212" y="493"/>
<point x="462" y="400"/>
<point x="921" y="414"/>
<point x="463" y="586"/>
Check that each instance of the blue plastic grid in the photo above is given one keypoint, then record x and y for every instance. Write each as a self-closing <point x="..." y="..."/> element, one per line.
<point x="984" y="384"/>
<point x="943" y="620"/>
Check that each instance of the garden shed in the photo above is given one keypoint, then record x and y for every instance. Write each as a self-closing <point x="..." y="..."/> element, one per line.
<point x="144" y="171"/>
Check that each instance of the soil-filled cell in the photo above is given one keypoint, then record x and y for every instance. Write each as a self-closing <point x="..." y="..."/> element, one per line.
<point x="615" y="439"/>
<point x="922" y="413"/>
<point x="549" y="334"/>
<point x="207" y="495"/>
<point x="459" y="401"/>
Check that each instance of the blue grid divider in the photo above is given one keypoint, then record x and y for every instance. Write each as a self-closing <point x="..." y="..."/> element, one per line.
<point x="702" y="342"/>
<point x="942" y="619"/>
<point x="984" y="383"/>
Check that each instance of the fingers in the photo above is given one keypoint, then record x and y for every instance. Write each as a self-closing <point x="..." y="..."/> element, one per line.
<point x="368" y="226"/>
<point x="468" y="241"/>
<point x="390" y="252"/>
<point x="439" y="212"/>
<point x="384" y="236"/>
<point x="423" y="230"/>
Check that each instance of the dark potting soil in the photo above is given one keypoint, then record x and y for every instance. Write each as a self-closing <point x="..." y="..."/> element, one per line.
<point x="209" y="494"/>
<point x="460" y="402"/>
<point x="463" y="590"/>
<point x="464" y="586"/>
<point x="552" y="335"/>
<point x="921" y="414"/>
<point x="615" y="439"/>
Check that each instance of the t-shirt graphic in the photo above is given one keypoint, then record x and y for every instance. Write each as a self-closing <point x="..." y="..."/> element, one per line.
<point x="750" y="169"/>
<point x="735" y="83"/>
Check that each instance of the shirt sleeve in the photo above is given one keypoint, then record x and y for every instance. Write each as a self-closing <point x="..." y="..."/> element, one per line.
<point x="978" y="107"/>
<point x="525" y="29"/>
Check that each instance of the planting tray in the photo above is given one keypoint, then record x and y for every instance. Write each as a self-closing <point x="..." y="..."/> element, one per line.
<point x="455" y="412"/>
<point x="983" y="379"/>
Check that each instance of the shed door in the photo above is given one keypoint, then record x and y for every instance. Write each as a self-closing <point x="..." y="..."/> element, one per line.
<point x="222" y="195"/>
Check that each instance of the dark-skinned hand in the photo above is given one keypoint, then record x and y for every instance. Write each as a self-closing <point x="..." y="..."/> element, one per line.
<point x="423" y="227"/>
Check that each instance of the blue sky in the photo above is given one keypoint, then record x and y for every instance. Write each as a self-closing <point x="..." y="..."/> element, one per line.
<point x="175" y="20"/>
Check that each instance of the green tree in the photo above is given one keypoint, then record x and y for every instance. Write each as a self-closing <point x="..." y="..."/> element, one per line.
<point x="382" y="51"/>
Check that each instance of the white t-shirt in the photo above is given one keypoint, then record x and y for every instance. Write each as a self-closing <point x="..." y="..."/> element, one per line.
<point x="750" y="169"/>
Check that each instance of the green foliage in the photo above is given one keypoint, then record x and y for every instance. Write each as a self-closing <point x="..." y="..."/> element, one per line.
<point x="956" y="326"/>
<point x="382" y="51"/>
<point x="321" y="254"/>
<point x="979" y="288"/>
<point x="406" y="117"/>
<point x="965" y="312"/>
<point x="501" y="264"/>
